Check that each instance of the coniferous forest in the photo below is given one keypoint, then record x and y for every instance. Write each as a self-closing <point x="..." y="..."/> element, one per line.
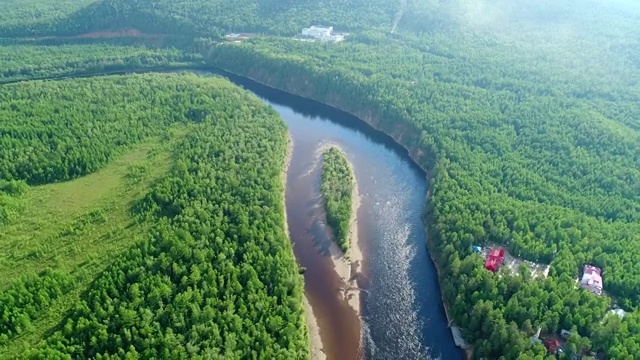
<point x="336" y="185"/>
<point x="212" y="274"/>
<point x="524" y="114"/>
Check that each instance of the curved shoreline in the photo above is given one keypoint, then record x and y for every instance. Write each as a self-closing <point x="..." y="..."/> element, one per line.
<point x="316" y="348"/>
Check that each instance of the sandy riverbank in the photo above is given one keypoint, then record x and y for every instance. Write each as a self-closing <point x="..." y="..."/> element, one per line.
<point x="316" y="348"/>
<point x="348" y="265"/>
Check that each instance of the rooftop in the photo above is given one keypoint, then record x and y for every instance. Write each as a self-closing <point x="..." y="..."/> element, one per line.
<point x="321" y="28"/>
<point x="513" y="263"/>
<point x="592" y="279"/>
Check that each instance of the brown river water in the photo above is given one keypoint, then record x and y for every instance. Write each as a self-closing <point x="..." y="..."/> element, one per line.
<point x="401" y="307"/>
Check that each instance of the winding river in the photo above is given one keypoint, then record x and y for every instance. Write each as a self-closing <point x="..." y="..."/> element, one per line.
<point x="401" y="307"/>
<point x="402" y="312"/>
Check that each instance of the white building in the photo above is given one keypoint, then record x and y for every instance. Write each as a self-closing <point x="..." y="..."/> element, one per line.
<point x="322" y="33"/>
<point x="318" y="32"/>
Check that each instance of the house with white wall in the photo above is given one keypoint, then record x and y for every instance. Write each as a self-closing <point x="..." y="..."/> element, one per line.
<point x="322" y="33"/>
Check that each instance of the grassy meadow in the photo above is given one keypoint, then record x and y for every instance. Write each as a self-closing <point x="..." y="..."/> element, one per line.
<point x="79" y="226"/>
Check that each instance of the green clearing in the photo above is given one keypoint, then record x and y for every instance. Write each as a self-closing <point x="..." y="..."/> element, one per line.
<point x="78" y="227"/>
<point x="125" y="232"/>
<point x="72" y="224"/>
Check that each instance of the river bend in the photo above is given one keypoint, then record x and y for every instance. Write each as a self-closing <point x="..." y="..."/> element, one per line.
<point x="402" y="312"/>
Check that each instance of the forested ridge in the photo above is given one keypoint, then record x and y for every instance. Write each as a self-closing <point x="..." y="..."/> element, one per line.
<point x="212" y="273"/>
<point x="336" y="185"/>
<point x="43" y="15"/>
<point x="550" y="177"/>
<point x="523" y="114"/>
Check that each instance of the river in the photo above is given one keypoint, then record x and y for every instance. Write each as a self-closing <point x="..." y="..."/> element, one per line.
<point x="402" y="312"/>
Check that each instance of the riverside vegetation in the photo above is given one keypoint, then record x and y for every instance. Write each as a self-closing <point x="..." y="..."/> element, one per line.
<point x="168" y="240"/>
<point x="523" y="114"/>
<point x="336" y="185"/>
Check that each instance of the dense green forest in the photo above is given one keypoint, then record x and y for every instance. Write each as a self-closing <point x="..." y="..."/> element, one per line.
<point x="57" y="131"/>
<point x="199" y="17"/>
<point x="528" y="142"/>
<point x="208" y="272"/>
<point x="523" y="113"/>
<point x="336" y="185"/>
<point x="552" y="176"/>
<point x="23" y="62"/>
<point x="44" y="15"/>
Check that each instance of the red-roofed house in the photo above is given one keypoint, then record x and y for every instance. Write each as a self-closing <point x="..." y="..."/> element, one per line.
<point x="552" y="345"/>
<point x="592" y="279"/>
<point x="494" y="260"/>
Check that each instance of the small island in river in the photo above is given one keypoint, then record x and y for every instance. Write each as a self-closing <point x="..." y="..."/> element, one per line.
<point x="336" y="185"/>
<point x="339" y="191"/>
